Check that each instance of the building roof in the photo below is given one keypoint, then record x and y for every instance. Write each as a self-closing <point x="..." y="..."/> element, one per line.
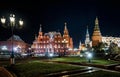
<point x="15" y="38"/>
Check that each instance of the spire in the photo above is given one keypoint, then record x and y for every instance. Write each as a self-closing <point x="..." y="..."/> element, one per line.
<point x="65" y="29"/>
<point x="40" y="30"/>
<point x="96" y="20"/>
<point x="65" y="26"/>
<point x="66" y="34"/>
<point x="87" y="40"/>
<point x="96" y="28"/>
<point x="96" y="24"/>
<point x="87" y="32"/>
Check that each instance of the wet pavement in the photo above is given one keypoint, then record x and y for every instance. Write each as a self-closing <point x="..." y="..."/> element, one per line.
<point x="72" y="73"/>
<point x="88" y="69"/>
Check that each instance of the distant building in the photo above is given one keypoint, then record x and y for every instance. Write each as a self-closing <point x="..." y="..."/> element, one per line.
<point x="19" y="45"/>
<point x="109" y="40"/>
<point x="52" y="42"/>
<point x="96" y="37"/>
<point x="82" y="47"/>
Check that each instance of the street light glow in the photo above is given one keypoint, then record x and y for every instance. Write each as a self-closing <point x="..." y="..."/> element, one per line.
<point x="20" y="22"/>
<point x="15" y="48"/>
<point x="106" y="53"/>
<point x="51" y="54"/>
<point x="12" y="18"/>
<point x="4" y="48"/>
<point x="89" y="55"/>
<point x="70" y="49"/>
<point x="81" y="55"/>
<point x="3" y="20"/>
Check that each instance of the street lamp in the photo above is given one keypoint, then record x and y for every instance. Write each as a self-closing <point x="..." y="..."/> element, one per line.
<point x="50" y="55"/>
<point x="12" y="24"/>
<point x="89" y="56"/>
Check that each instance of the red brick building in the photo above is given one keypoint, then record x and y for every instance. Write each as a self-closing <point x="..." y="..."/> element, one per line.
<point x="18" y="44"/>
<point x="52" y="42"/>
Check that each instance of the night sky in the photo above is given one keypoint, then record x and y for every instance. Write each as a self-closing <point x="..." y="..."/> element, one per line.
<point x="53" y="13"/>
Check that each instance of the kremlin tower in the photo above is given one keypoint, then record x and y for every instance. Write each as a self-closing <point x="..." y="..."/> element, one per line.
<point x="96" y="37"/>
<point x="87" y="40"/>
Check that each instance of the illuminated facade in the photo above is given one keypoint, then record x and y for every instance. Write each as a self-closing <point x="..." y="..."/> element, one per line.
<point x="82" y="47"/>
<point x="19" y="45"/>
<point x="87" y="44"/>
<point x="111" y="39"/>
<point x="52" y="42"/>
<point x="96" y="37"/>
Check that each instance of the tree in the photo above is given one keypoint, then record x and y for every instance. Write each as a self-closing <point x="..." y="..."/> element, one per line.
<point x="114" y="49"/>
<point x="100" y="47"/>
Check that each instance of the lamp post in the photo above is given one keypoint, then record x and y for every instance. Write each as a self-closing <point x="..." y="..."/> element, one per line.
<point x="89" y="56"/>
<point x="12" y="24"/>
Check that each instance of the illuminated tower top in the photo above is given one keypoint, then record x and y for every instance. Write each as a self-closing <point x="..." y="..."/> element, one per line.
<point x="40" y="31"/>
<point x="96" y="28"/>
<point x="66" y="33"/>
<point x="97" y="25"/>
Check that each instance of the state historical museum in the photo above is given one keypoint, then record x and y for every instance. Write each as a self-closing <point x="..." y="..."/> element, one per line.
<point x="52" y="43"/>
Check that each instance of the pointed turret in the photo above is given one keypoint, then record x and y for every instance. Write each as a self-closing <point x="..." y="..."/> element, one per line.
<point x="66" y="30"/>
<point x="96" y="37"/>
<point x="65" y="26"/>
<point x="66" y="33"/>
<point x="87" y="40"/>
<point x="97" y="25"/>
<point x="87" y="32"/>
<point x="96" y="20"/>
<point x="40" y="31"/>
